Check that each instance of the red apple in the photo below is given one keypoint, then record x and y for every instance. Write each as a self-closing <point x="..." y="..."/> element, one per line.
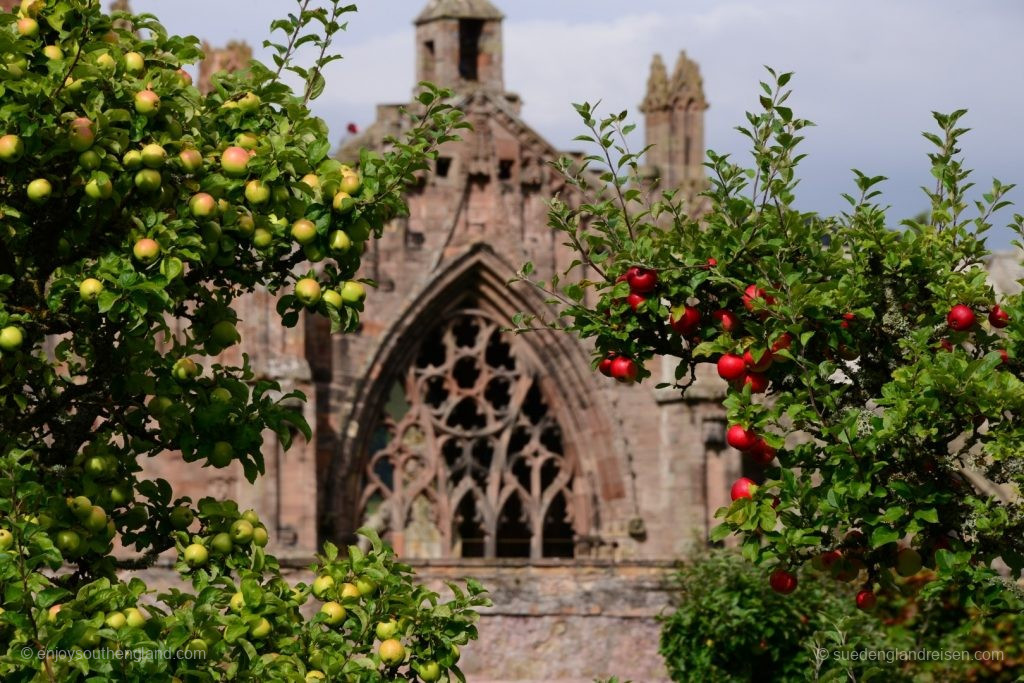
<point x="946" y="345"/>
<point x="605" y="366"/>
<point x="960" y="318"/>
<point x="712" y="262"/>
<point x="997" y="317"/>
<point x="727" y="319"/>
<point x="235" y="161"/>
<point x="684" y="320"/>
<point x="742" y="488"/>
<point x="641" y="280"/>
<point x="782" y="581"/>
<point x="784" y="341"/>
<point x="741" y="438"/>
<point x="761" y="452"/>
<point x="185" y="78"/>
<point x="635" y="301"/>
<point x="731" y="366"/>
<point x="11" y="148"/>
<point x="202" y="205"/>
<point x="758" y="365"/>
<point x="866" y="600"/>
<point x="146" y="250"/>
<point x="751" y="295"/>
<point x="1005" y="356"/>
<point x="82" y="134"/>
<point x="624" y="369"/>
<point x="758" y="382"/>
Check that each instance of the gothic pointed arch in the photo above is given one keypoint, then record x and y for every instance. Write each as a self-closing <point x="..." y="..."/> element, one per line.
<point x="469" y="441"/>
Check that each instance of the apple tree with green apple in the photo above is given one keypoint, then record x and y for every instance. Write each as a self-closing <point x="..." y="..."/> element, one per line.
<point x="133" y="211"/>
<point x="873" y="372"/>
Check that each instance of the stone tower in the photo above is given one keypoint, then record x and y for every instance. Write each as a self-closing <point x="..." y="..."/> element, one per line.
<point x="674" y="123"/>
<point x="459" y="45"/>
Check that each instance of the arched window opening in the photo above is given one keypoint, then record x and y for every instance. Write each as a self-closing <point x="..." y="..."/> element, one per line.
<point x="467" y="458"/>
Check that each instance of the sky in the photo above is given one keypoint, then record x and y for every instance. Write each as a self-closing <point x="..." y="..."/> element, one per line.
<point x="867" y="72"/>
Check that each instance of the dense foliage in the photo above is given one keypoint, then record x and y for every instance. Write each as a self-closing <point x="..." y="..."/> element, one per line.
<point x="133" y="211"/>
<point x="727" y="627"/>
<point x="872" y="369"/>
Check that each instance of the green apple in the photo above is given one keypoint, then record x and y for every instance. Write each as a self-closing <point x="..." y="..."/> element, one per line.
<point x="80" y="506"/>
<point x="146" y="251"/>
<point x="221" y="544"/>
<point x="908" y="562"/>
<point x="184" y="369"/>
<point x="237" y="602"/>
<point x="249" y="103"/>
<point x="262" y="238"/>
<point x="241" y="531"/>
<point x="312" y="180"/>
<point x="134" y="62"/>
<point x="353" y="292"/>
<point x="333" y="612"/>
<point x="202" y="205"/>
<point x="120" y="494"/>
<point x="259" y="628"/>
<point x="339" y="242"/>
<point x="251" y="517"/>
<point x="158" y="405"/>
<point x="235" y="161"/>
<point x="28" y="27"/>
<point x="100" y="466"/>
<point x="247" y="141"/>
<point x="257" y="192"/>
<point x="31" y="8"/>
<point x="314" y="252"/>
<point x="343" y="202"/>
<point x="115" y="620"/>
<point x="147" y="102"/>
<point x="89" y="160"/>
<point x="90" y="289"/>
<point x="386" y="629"/>
<point x="191" y="160"/>
<point x="53" y="612"/>
<point x="106" y="63"/>
<point x="365" y="586"/>
<point x="181" y="517"/>
<point x="53" y="53"/>
<point x="225" y="333"/>
<point x="73" y="85"/>
<point x="132" y="159"/>
<point x="349" y="590"/>
<point x="391" y="652"/>
<point x="148" y="180"/>
<point x="184" y="77"/>
<point x="196" y="555"/>
<point x="221" y="455"/>
<point x="100" y="187"/>
<point x="307" y="290"/>
<point x="314" y="675"/>
<point x="89" y="639"/>
<point x="303" y="231"/>
<point x="6" y="539"/>
<point x="351" y="183"/>
<point x="97" y="520"/>
<point x="197" y="645"/>
<point x="430" y="671"/>
<point x="134" y="618"/>
<point x="245" y="225"/>
<point x="260" y="537"/>
<point x="39" y="190"/>
<point x="68" y="542"/>
<point x="321" y="585"/>
<point x="11" y="338"/>
<point x="332" y="298"/>
<point x="220" y="395"/>
<point x="154" y="155"/>
<point x="11" y="148"/>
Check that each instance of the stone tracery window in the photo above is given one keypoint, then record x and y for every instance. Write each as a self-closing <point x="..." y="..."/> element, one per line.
<point x="468" y="459"/>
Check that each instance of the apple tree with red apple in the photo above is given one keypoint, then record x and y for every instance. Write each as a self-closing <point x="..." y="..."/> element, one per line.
<point x="129" y="201"/>
<point x="870" y="367"/>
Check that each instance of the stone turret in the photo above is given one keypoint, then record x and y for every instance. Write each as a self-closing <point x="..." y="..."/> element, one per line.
<point x="674" y="121"/>
<point x="459" y="45"/>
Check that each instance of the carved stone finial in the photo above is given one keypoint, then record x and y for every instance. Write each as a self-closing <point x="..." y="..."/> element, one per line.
<point x="235" y="56"/>
<point x="687" y="84"/>
<point x="657" y="87"/>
